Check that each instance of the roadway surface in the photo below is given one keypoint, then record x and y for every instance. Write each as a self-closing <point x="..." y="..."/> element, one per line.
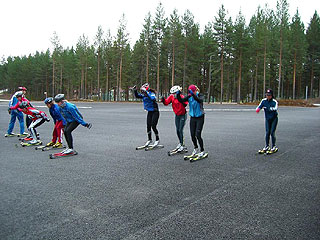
<point x="112" y="191"/>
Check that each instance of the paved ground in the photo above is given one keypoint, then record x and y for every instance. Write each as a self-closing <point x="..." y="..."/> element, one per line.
<point x="112" y="191"/>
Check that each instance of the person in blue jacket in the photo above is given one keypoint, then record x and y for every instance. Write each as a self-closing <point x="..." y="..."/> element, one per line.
<point x="59" y="123"/>
<point x="73" y="118"/>
<point x="196" y="112"/>
<point x="15" y="99"/>
<point x="150" y="104"/>
<point x="270" y="106"/>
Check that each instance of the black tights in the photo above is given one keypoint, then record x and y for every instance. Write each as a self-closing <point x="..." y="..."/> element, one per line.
<point x="196" y="125"/>
<point x="67" y="132"/>
<point x="152" y="121"/>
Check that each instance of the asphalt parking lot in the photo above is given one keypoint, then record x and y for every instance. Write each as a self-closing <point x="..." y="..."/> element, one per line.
<point x="112" y="191"/>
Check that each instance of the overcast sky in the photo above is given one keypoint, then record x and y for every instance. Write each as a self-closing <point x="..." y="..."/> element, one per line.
<point x="26" y="26"/>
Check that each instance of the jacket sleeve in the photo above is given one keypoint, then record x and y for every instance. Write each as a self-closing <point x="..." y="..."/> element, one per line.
<point x="168" y="100"/>
<point x="182" y="100"/>
<point x="152" y="96"/>
<point x="76" y="116"/>
<point x="15" y="106"/>
<point x="198" y="98"/>
<point x="136" y="94"/>
<point x="261" y="104"/>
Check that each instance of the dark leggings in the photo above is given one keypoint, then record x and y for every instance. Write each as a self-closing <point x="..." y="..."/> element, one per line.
<point x="67" y="132"/>
<point x="196" y="125"/>
<point x="180" y="122"/>
<point x="271" y="126"/>
<point x="152" y="121"/>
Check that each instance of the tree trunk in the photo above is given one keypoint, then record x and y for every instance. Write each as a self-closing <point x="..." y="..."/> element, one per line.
<point x="294" y="76"/>
<point x="239" y="78"/>
<point x="82" y="81"/>
<point x="280" y="65"/>
<point x="98" y="74"/>
<point x="158" y="73"/>
<point x="53" y="70"/>
<point x="107" y="84"/>
<point x="86" y="82"/>
<point x="120" y="77"/>
<point x="256" y="79"/>
<point x="184" y="65"/>
<point x="221" y="75"/>
<point x="264" y="66"/>
<point x="147" y="66"/>
<point x="172" y="71"/>
<point x="312" y="76"/>
<point x="61" y="79"/>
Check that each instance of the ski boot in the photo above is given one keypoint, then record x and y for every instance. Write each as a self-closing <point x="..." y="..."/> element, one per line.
<point x="193" y="154"/>
<point x="199" y="156"/>
<point x="57" y="145"/>
<point x="31" y="143"/>
<point x="65" y="153"/>
<point x="50" y="144"/>
<point x="23" y="134"/>
<point x="147" y="144"/>
<point x="154" y="146"/>
<point x="10" y="135"/>
<point x="264" y="150"/>
<point x="274" y="149"/>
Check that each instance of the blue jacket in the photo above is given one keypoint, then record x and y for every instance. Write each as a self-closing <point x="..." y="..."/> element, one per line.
<point x="56" y="114"/>
<point x="71" y="113"/>
<point x="149" y="101"/>
<point x="195" y="104"/>
<point x="13" y="102"/>
<point x="270" y="108"/>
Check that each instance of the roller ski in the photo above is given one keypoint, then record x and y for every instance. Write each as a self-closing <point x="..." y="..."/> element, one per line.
<point x="51" y="146"/>
<point x="148" y="143"/>
<point x="28" y="138"/>
<point x="272" y="151"/>
<point x="199" y="156"/>
<point x="264" y="150"/>
<point x="31" y="143"/>
<point x="156" y="145"/>
<point x="179" y="149"/>
<point x="66" y="153"/>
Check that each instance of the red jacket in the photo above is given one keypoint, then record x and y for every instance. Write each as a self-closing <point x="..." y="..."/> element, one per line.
<point x="18" y="103"/>
<point x="178" y="107"/>
<point x="33" y="113"/>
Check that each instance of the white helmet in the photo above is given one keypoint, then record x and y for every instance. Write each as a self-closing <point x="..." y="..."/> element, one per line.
<point x="175" y="89"/>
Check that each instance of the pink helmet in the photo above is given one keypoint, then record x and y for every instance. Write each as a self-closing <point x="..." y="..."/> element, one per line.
<point x="193" y="88"/>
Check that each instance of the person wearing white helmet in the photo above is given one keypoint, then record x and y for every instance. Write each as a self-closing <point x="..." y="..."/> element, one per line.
<point x="180" y="116"/>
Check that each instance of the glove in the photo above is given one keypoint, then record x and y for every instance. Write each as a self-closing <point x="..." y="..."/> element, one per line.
<point x="178" y="92"/>
<point x="142" y="89"/>
<point x="162" y="99"/>
<point x="88" y="125"/>
<point x="134" y="88"/>
<point x="9" y="111"/>
<point x="258" y="110"/>
<point x="47" y="119"/>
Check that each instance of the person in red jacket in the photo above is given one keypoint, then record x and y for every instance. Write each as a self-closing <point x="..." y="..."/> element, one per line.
<point x="181" y="115"/>
<point x="37" y="117"/>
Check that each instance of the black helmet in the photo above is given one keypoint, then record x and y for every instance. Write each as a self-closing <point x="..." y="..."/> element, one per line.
<point x="19" y="94"/>
<point x="48" y="100"/>
<point x="269" y="92"/>
<point x="59" y="98"/>
<point x="23" y="104"/>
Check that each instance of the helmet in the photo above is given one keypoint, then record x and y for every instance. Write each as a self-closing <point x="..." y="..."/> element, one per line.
<point x="48" y="100"/>
<point x="145" y="87"/>
<point x="19" y="94"/>
<point x="23" y="104"/>
<point x="269" y="92"/>
<point x="175" y="89"/>
<point x="193" y="88"/>
<point x="59" y="97"/>
<point x="22" y="89"/>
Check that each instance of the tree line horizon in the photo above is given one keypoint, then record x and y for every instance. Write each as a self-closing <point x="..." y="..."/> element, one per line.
<point x="231" y="61"/>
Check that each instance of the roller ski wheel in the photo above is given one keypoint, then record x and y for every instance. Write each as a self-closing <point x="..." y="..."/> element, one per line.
<point x="272" y="151"/>
<point x="153" y="147"/>
<point x="23" y="144"/>
<point x="11" y="135"/>
<point x="263" y="150"/>
<point x="198" y="157"/>
<point x="61" y="155"/>
<point x="189" y="157"/>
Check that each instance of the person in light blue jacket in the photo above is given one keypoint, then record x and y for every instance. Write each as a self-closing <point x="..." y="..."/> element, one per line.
<point x="196" y="112"/>
<point x="270" y="106"/>
<point x="14" y="113"/>
<point x="150" y="104"/>
<point x="73" y="118"/>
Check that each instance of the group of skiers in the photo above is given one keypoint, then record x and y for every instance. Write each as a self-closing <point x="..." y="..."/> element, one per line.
<point x="67" y="117"/>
